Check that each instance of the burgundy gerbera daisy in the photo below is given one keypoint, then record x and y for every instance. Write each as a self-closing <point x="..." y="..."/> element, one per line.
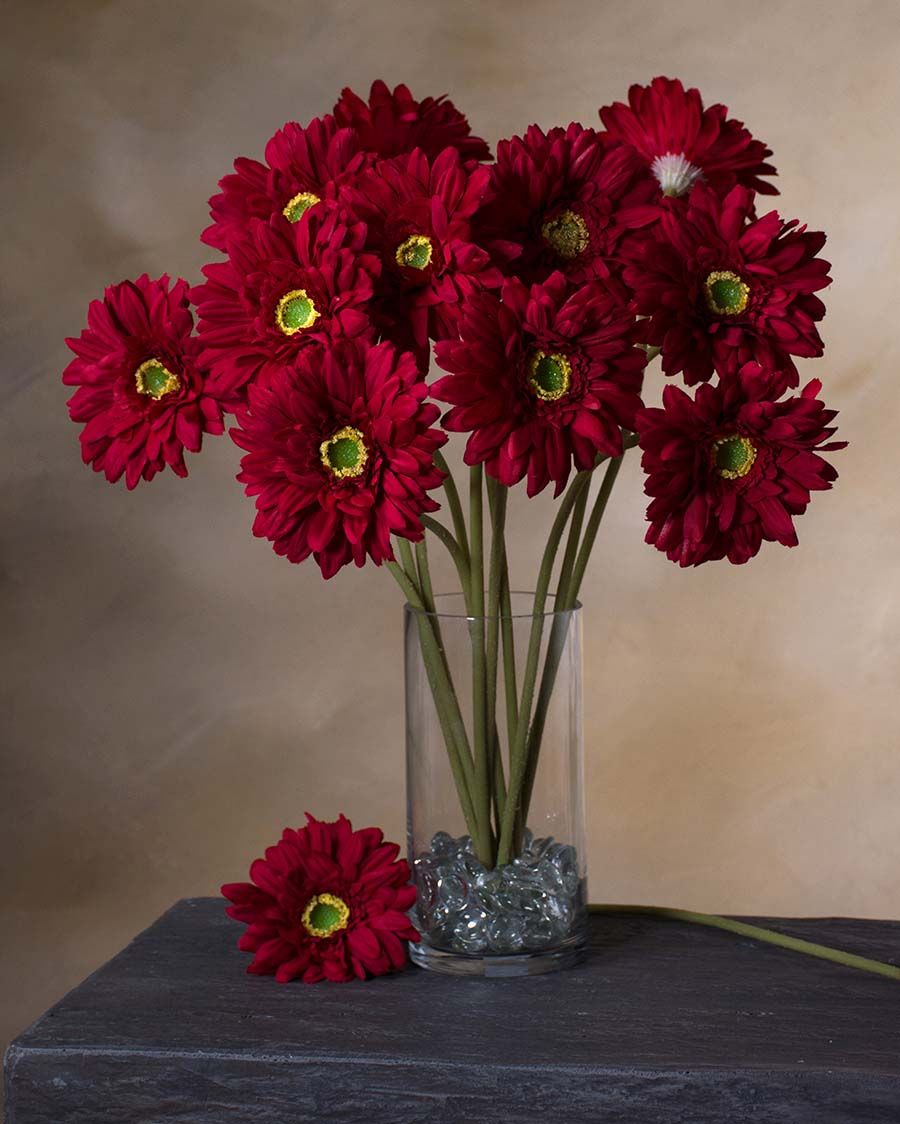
<point x="542" y="379"/>
<point x="733" y="466"/>
<point x="418" y="213"/>
<point x="340" y="454"/>
<point x="283" y="288"/>
<point x="326" y="903"/>
<point x="679" y="143"/>
<point x="142" y="394"/>
<point x="553" y="200"/>
<point x="302" y="167"/>
<point x="721" y="287"/>
<point x="393" y="122"/>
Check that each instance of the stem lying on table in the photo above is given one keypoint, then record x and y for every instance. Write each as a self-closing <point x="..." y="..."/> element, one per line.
<point x="758" y="933"/>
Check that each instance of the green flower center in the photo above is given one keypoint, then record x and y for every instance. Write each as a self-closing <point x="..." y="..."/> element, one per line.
<point x="726" y="293"/>
<point x="549" y="375"/>
<point x="344" y="453"/>
<point x="414" y="252"/>
<point x="325" y="914"/>
<point x="296" y="208"/>
<point x="733" y="456"/>
<point x="155" y="379"/>
<point x="567" y="234"/>
<point x="295" y="312"/>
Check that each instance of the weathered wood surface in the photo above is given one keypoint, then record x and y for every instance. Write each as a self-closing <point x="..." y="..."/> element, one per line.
<point x="664" y="1023"/>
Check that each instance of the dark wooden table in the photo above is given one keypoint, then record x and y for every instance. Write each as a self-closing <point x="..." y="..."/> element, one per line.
<point x="665" y="1022"/>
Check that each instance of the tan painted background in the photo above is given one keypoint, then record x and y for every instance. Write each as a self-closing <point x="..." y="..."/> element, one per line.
<point x="173" y="694"/>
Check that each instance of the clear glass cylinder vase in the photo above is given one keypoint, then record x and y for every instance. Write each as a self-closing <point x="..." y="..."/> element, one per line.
<point x="495" y="792"/>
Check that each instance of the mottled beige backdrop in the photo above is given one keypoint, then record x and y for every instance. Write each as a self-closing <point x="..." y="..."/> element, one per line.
<point x="173" y="693"/>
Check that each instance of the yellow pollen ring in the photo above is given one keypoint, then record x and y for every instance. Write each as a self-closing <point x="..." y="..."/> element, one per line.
<point x="155" y="378"/>
<point x="299" y="204"/>
<point x="726" y="294"/>
<point x="325" y="914"/>
<point x="344" y="454"/>
<point x="549" y="375"/>
<point x="414" y="252"/>
<point x="295" y="312"/>
<point x="567" y="234"/>
<point x="733" y="456"/>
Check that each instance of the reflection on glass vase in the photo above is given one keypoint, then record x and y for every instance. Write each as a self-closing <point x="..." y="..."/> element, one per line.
<point x="495" y="787"/>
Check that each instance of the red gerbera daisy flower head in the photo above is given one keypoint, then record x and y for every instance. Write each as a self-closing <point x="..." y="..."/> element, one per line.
<point x="553" y="202"/>
<point x="679" y="143"/>
<point x="340" y="454"/>
<point x="719" y="287"/>
<point x="326" y="903"/>
<point x="283" y="287"/>
<point x="303" y="167"/>
<point x="142" y="395"/>
<point x="733" y="467"/>
<point x="418" y="214"/>
<point x="542" y="379"/>
<point x="392" y="122"/>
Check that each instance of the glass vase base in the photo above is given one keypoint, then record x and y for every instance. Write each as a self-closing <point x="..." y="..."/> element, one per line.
<point x="496" y="965"/>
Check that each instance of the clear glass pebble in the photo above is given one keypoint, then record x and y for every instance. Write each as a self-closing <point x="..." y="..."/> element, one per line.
<point x="444" y="844"/>
<point x="529" y="904"/>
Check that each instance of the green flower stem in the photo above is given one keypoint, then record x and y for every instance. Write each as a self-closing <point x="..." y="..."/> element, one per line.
<point x="499" y="781"/>
<point x="510" y="691"/>
<point x="406" y="561"/>
<point x="424" y="572"/>
<point x="427" y="590"/>
<point x="446" y="703"/>
<point x="481" y="794"/>
<point x="570" y="578"/>
<point x="560" y="601"/>
<point x="758" y="933"/>
<point x="555" y="647"/>
<point x="497" y="499"/>
<point x="444" y="676"/>
<point x="460" y="559"/>
<point x="455" y="505"/>
<point x="593" y="525"/>
<point x="510" y="682"/>
<point x="518" y="760"/>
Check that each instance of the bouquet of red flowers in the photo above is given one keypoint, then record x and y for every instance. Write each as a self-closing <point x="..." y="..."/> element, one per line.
<point x="543" y="281"/>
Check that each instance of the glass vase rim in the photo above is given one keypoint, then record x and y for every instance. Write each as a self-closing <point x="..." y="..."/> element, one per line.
<point x="439" y="613"/>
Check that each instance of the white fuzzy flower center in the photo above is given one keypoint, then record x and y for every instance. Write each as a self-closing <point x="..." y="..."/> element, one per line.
<point x="675" y="174"/>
